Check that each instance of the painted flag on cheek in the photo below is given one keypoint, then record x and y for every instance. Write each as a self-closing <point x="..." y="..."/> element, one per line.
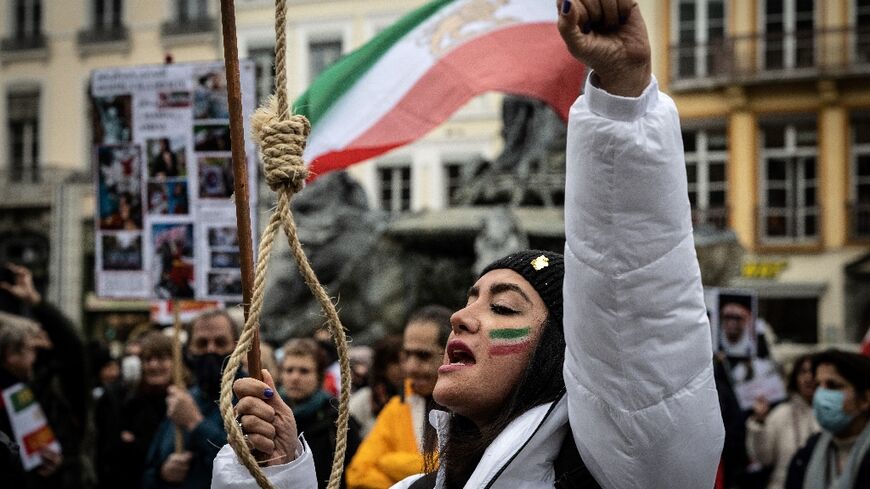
<point x="416" y="73"/>
<point x="509" y="341"/>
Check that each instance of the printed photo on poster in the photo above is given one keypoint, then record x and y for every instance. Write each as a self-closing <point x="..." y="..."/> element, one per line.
<point x="736" y="317"/>
<point x="215" y="177"/>
<point x="210" y="96"/>
<point x="173" y="100"/>
<point x="225" y="259"/>
<point x="113" y="120"/>
<point x="119" y="187"/>
<point x="224" y="283"/>
<point x="168" y="197"/>
<point x="173" y="263"/>
<point x="223" y="237"/>
<point x="211" y="137"/>
<point x="166" y="157"/>
<point x="122" y="251"/>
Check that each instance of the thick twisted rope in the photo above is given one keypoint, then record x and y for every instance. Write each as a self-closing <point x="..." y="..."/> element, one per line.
<point x="282" y="142"/>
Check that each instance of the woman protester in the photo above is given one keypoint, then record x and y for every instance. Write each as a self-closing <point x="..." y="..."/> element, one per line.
<point x="839" y="456"/>
<point x="127" y="419"/>
<point x="612" y="387"/>
<point x="303" y="367"/>
<point x="774" y="435"/>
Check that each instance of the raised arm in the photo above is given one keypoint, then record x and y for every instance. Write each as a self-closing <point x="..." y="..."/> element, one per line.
<point x="641" y="395"/>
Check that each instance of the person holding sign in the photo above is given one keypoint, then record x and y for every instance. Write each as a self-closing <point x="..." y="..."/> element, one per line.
<point x="612" y="387"/>
<point x="45" y="394"/>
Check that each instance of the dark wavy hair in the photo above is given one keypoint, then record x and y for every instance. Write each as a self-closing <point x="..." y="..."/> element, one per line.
<point x="541" y="382"/>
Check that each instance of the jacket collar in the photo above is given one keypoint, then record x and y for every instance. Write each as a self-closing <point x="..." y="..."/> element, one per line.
<point x="529" y="443"/>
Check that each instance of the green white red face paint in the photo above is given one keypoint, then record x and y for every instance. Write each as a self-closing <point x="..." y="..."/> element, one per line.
<point x="509" y="341"/>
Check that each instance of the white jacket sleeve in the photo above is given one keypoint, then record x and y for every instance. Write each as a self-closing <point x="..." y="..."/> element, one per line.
<point x="229" y="473"/>
<point x="638" y="365"/>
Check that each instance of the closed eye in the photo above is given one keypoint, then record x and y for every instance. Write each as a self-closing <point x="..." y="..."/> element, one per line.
<point x="502" y="310"/>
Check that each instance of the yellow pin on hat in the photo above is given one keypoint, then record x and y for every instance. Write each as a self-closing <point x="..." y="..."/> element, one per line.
<point x="540" y="262"/>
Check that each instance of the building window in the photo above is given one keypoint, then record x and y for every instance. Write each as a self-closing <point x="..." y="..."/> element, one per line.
<point x="188" y="10"/>
<point x="699" y="37"/>
<point x="706" y="157"/>
<point x="107" y="15"/>
<point x="321" y="55"/>
<point x="394" y="188"/>
<point x="860" y="175"/>
<point x="190" y="17"/>
<point x="862" y="31"/>
<point x="25" y="27"/>
<point x="452" y="181"/>
<point x="789" y="40"/>
<point x="789" y="208"/>
<point x="28" y="19"/>
<point x="23" y="130"/>
<point x="264" y="71"/>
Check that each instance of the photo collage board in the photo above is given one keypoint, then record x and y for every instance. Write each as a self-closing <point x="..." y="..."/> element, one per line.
<point x="165" y="216"/>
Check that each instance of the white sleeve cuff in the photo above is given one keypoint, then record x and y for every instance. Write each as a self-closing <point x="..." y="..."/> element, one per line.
<point x="615" y="107"/>
<point x="229" y="473"/>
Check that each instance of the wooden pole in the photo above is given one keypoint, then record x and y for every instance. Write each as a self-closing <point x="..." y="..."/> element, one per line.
<point x="240" y="173"/>
<point x="177" y="370"/>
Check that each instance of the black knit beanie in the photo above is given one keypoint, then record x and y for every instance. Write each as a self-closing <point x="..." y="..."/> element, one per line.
<point x="544" y="270"/>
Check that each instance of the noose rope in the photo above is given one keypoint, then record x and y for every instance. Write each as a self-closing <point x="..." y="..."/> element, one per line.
<point x="281" y="138"/>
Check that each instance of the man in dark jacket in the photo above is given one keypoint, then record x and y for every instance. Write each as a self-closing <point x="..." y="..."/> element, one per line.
<point x="213" y="337"/>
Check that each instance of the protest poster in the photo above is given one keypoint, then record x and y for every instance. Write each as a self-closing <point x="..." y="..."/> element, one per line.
<point x="164" y="181"/>
<point x="29" y="425"/>
<point x="734" y="326"/>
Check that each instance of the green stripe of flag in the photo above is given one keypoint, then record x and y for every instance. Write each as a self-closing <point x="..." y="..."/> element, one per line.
<point x="509" y="334"/>
<point x="338" y="78"/>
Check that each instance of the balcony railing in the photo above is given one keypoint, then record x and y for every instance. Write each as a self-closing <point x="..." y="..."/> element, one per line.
<point x="105" y="34"/>
<point x="859" y="220"/>
<point x="761" y="57"/>
<point x="788" y="225"/>
<point x="713" y="216"/>
<point x="23" y="43"/>
<point x="184" y="27"/>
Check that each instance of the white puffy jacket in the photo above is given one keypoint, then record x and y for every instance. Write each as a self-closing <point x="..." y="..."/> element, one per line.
<point x="641" y="401"/>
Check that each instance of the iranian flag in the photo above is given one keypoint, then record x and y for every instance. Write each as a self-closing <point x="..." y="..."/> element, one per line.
<point x="416" y="73"/>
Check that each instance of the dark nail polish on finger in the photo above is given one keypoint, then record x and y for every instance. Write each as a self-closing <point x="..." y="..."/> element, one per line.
<point x="566" y="7"/>
<point x="268" y="393"/>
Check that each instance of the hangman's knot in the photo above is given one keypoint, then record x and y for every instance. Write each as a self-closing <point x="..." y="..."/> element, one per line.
<point x="282" y="142"/>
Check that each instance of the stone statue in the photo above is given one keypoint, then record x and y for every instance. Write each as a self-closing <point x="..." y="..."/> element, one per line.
<point x="500" y="236"/>
<point x="531" y="168"/>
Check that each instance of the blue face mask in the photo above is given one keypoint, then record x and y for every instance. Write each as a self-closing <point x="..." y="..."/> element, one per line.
<point x="828" y="408"/>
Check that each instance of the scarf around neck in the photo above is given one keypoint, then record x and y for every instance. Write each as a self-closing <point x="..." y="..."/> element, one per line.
<point x="817" y="470"/>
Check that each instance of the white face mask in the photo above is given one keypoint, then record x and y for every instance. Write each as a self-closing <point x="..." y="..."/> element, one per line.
<point x="131" y="369"/>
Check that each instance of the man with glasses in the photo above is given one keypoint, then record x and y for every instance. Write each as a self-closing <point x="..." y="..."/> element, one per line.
<point x="393" y="449"/>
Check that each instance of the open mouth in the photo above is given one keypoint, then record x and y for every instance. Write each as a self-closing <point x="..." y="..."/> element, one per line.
<point x="458" y="353"/>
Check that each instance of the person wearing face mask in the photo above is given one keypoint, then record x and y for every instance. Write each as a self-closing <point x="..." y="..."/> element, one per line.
<point x="213" y="337"/>
<point x="773" y="436"/>
<point x="839" y="456"/>
<point x="393" y="449"/>
<point x="611" y="387"/>
<point x="302" y="368"/>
